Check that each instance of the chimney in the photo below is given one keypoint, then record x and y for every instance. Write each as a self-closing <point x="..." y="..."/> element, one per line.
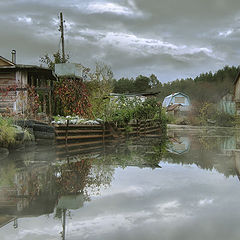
<point x="14" y="56"/>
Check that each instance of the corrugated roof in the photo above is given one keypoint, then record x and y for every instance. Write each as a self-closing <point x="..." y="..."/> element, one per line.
<point x="167" y="100"/>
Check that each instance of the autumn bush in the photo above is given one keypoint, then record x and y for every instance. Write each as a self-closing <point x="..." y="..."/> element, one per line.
<point x="71" y="98"/>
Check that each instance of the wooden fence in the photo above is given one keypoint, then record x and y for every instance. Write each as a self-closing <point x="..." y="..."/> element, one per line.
<point x="73" y="139"/>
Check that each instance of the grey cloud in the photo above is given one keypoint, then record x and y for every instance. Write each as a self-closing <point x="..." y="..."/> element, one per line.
<point x="194" y="24"/>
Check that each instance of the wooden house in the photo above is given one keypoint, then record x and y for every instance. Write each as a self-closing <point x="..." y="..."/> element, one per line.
<point x="15" y="80"/>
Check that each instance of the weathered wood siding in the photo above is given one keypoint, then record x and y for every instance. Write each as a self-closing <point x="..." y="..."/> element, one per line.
<point x="4" y="63"/>
<point x="21" y="96"/>
<point x="7" y="99"/>
<point x="237" y="96"/>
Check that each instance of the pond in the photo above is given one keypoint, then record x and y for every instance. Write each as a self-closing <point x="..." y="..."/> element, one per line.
<point x="185" y="187"/>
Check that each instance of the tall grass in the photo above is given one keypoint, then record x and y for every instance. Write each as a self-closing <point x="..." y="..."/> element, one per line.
<point x="7" y="132"/>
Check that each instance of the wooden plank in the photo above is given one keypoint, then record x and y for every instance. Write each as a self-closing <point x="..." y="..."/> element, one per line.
<point x="84" y="148"/>
<point x="7" y="73"/>
<point x="79" y="150"/>
<point x="81" y="137"/>
<point x="150" y="131"/>
<point x="153" y="135"/>
<point x="6" y="104"/>
<point x="61" y="146"/>
<point x="7" y="100"/>
<point x="80" y="131"/>
<point x="148" y="128"/>
<point x="78" y="125"/>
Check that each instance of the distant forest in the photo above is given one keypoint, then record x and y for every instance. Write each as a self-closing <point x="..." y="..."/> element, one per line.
<point x="207" y="87"/>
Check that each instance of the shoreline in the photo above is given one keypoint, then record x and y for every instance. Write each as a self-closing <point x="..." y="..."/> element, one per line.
<point x="191" y="127"/>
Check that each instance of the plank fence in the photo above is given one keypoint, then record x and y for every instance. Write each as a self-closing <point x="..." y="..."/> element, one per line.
<point x="74" y="139"/>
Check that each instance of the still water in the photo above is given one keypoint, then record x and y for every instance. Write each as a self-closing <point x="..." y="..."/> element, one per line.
<point x="184" y="188"/>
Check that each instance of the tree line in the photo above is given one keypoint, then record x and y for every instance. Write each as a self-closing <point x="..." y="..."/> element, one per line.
<point x="207" y="87"/>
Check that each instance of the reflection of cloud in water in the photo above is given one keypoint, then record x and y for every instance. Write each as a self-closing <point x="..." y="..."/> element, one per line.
<point x="145" y="203"/>
<point x="170" y="200"/>
<point x="106" y="224"/>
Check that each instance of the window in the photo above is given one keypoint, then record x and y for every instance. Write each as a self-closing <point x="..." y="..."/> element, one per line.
<point x="179" y="100"/>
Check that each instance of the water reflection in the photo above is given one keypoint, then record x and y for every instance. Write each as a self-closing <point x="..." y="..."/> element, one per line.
<point x="178" y="145"/>
<point x="37" y="182"/>
<point x="211" y="150"/>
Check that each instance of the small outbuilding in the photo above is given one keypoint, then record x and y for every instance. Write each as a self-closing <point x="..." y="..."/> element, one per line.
<point x="178" y="101"/>
<point x="227" y="104"/>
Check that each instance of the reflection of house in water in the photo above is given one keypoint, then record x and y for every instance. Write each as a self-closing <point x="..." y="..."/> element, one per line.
<point x="179" y="145"/>
<point x="30" y="186"/>
<point x="228" y="143"/>
<point x="25" y="192"/>
<point x="219" y="151"/>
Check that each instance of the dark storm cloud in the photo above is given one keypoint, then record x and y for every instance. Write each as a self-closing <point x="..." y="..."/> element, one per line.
<point x="172" y="39"/>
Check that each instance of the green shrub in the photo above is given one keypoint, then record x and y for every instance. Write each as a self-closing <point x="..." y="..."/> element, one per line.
<point x="225" y="119"/>
<point x="7" y="132"/>
<point x="124" y="110"/>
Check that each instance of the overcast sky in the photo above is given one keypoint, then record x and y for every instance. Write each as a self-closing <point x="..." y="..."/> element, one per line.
<point x="170" y="38"/>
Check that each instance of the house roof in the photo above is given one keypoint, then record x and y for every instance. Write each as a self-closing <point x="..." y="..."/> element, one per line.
<point x="29" y="68"/>
<point x="175" y="94"/>
<point x="127" y="94"/>
<point x="168" y="98"/>
<point x="152" y="93"/>
<point x="135" y="94"/>
<point x="6" y="61"/>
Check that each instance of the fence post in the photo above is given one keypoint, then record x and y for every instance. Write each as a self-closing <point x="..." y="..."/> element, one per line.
<point x="145" y="127"/>
<point x="103" y="135"/>
<point x="66" y="135"/>
<point x="138" y="128"/>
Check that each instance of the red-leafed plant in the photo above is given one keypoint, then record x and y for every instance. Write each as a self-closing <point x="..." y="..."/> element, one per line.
<point x="33" y="101"/>
<point x="72" y="98"/>
<point x="28" y="99"/>
<point x="4" y="91"/>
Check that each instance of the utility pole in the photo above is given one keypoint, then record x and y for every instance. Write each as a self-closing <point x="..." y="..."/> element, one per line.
<point x="64" y="223"/>
<point x="62" y="36"/>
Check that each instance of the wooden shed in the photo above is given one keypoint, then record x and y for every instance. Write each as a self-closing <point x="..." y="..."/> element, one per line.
<point x="15" y="79"/>
<point x="237" y="93"/>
